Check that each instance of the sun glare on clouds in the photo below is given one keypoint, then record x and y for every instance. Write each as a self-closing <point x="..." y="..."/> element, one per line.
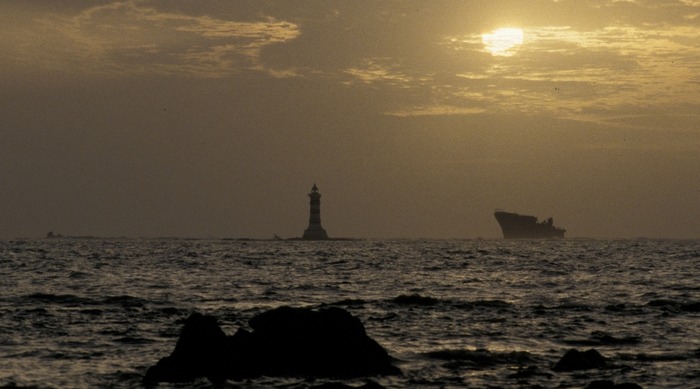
<point x="503" y="41"/>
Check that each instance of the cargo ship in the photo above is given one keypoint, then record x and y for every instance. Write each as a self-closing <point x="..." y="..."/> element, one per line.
<point x="517" y="226"/>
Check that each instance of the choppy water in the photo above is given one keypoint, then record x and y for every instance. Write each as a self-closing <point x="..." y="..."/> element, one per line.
<point x="456" y="313"/>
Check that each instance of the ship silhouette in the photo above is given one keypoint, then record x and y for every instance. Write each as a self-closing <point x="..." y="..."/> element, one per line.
<point x="515" y="226"/>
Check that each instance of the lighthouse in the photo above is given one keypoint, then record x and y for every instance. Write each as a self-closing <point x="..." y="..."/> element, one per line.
<point x="315" y="231"/>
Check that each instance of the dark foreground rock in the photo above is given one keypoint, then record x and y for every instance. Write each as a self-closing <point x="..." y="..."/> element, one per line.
<point x="201" y="351"/>
<point x="577" y="360"/>
<point x="284" y="342"/>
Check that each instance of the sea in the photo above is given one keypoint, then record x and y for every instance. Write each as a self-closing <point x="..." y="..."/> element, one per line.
<point x="97" y="313"/>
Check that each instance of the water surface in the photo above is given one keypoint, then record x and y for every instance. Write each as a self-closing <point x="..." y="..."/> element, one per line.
<point x="456" y="313"/>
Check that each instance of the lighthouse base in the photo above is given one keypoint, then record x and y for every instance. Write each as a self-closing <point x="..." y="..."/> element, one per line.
<point x="315" y="233"/>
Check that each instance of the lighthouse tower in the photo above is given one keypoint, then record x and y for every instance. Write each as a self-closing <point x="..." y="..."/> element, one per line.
<point x="315" y="231"/>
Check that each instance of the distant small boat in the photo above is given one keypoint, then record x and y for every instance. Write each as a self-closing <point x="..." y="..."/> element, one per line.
<point x="515" y="226"/>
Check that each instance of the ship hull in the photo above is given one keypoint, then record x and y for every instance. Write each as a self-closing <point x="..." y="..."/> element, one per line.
<point x="515" y="226"/>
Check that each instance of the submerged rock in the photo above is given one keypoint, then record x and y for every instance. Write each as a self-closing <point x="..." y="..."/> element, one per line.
<point x="284" y="342"/>
<point x="577" y="360"/>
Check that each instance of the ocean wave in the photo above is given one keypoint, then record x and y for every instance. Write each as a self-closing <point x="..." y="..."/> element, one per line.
<point x="71" y="300"/>
<point x="661" y="357"/>
<point x="600" y="338"/>
<point x="672" y="306"/>
<point x="567" y="306"/>
<point x="125" y="301"/>
<point x="482" y="357"/>
<point x="415" y="299"/>
<point x="60" y="299"/>
<point x="348" y="303"/>
<point x="427" y="301"/>
<point x="133" y="340"/>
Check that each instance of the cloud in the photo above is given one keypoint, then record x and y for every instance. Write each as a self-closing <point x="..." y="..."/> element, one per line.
<point x="568" y="72"/>
<point x="130" y="37"/>
<point x="378" y="70"/>
<point x="438" y="110"/>
<point x="622" y="55"/>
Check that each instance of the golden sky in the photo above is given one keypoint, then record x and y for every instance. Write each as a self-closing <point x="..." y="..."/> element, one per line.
<point x="414" y="118"/>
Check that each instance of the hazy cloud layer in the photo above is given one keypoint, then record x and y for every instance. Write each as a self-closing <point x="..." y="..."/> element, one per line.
<point x="135" y="37"/>
<point x="634" y="53"/>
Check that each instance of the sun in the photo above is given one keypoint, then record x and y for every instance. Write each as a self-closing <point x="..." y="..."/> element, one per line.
<point x="503" y="41"/>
